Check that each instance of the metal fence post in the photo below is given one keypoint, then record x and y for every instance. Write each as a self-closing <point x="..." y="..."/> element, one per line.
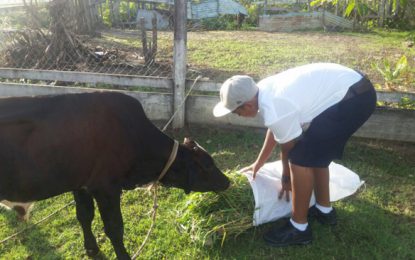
<point x="179" y="61"/>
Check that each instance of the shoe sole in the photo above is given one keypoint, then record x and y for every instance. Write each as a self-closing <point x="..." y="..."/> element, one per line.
<point x="313" y="218"/>
<point x="327" y="223"/>
<point x="303" y="243"/>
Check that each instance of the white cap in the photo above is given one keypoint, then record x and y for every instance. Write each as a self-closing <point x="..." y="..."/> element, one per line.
<point x="234" y="92"/>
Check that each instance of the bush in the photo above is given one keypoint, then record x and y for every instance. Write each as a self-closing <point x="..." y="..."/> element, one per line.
<point x="223" y="22"/>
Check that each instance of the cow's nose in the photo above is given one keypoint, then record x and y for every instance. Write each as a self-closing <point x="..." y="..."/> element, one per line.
<point x="227" y="184"/>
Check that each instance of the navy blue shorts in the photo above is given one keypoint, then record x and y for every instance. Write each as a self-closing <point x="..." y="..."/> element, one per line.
<point x="328" y="133"/>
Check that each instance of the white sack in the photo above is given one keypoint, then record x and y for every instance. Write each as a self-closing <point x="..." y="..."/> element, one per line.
<point x="267" y="184"/>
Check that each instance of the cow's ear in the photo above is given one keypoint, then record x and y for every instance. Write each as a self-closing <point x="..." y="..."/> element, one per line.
<point x="189" y="142"/>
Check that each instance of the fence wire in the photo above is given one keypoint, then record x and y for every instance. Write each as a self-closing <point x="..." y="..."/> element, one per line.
<point x="110" y="37"/>
<point x="136" y="37"/>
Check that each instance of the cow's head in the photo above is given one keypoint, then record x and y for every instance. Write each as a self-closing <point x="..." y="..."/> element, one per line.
<point x="195" y="170"/>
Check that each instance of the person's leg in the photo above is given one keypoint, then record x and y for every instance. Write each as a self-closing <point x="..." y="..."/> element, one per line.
<point x="322" y="210"/>
<point x="321" y="186"/>
<point x="296" y="230"/>
<point x="302" y="183"/>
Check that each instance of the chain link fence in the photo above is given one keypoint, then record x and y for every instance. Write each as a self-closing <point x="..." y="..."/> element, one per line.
<point x="121" y="37"/>
<point x="110" y="37"/>
<point x="135" y="37"/>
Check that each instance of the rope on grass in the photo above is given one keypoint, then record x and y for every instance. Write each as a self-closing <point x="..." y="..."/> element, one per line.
<point x="36" y="223"/>
<point x="153" y="222"/>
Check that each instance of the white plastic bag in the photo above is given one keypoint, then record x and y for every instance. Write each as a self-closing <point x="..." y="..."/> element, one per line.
<point x="267" y="184"/>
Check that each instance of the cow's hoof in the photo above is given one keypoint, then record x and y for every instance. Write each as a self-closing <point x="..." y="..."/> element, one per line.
<point x="92" y="252"/>
<point x="21" y="213"/>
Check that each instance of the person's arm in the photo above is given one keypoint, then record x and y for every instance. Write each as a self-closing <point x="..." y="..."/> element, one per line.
<point x="267" y="147"/>
<point x="286" y="172"/>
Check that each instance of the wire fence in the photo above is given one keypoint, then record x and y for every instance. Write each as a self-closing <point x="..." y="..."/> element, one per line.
<point x="136" y="38"/>
<point x="121" y="37"/>
<point x="110" y="37"/>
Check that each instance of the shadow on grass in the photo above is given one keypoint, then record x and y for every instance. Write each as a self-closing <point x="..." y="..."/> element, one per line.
<point x="33" y="238"/>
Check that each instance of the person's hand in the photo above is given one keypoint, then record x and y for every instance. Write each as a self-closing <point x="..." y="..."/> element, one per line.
<point x="252" y="168"/>
<point x="286" y="187"/>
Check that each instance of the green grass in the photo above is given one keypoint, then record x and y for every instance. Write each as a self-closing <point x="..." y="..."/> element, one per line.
<point x="261" y="54"/>
<point x="218" y="55"/>
<point x="376" y="223"/>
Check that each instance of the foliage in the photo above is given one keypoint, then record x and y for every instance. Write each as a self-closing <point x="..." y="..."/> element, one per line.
<point x="106" y="14"/>
<point x="406" y="103"/>
<point x="127" y="11"/>
<point x="392" y="74"/>
<point x="398" y="13"/>
<point x="223" y="22"/>
<point x="230" y="22"/>
<point x="210" y="218"/>
<point x="19" y="19"/>
<point x="253" y="15"/>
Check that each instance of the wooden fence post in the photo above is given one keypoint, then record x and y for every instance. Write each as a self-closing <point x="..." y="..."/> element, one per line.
<point x="179" y="60"/>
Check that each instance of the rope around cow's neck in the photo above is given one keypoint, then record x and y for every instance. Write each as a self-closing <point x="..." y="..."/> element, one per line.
<point x="154" y="186"/>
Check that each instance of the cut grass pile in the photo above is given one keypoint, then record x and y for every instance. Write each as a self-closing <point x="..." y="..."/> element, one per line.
<point x="212" y="217"/>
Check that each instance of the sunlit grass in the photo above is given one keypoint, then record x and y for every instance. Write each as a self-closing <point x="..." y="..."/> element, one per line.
<point x="377" y="222"/>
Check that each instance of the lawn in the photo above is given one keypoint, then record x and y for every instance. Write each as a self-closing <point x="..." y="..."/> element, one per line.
<point x="217" y="55"/>
<point x="376" y="223"/>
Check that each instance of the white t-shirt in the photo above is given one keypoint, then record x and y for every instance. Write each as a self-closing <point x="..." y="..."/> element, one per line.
<point x="291" y="99"/>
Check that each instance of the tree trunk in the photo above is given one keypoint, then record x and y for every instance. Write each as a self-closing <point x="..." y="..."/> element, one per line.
<point x="86" y="16"/>
<point x="336" y="11"/>
<point x="381" y="14"/>
<point x="390" y="7"/>
<point x="115" y="11"/>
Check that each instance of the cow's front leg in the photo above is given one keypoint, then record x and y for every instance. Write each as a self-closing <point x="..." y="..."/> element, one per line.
<point x="109" y="207"/>
<point x="85" y="215"/>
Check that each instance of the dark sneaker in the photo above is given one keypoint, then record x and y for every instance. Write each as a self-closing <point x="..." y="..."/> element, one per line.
<point x="288" y="235"/>
<point x="327" y="219"/>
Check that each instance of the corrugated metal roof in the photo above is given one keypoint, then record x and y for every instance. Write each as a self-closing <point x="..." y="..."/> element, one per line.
<point x="231" y="7"/>
<point x="207" y="8"/>
<point x="214" y="8"/>
<point x="162" y="21"/>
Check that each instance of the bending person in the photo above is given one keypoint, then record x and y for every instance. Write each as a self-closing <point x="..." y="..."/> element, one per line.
<point x="311" y="111"/>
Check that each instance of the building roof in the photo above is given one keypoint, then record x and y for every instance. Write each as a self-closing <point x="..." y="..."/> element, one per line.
<point x="207" y="8"/>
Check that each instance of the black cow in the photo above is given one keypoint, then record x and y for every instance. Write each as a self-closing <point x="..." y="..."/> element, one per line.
<point x="94" y="145"/>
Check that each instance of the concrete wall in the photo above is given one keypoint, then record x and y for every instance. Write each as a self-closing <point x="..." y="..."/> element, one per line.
<point x="157" y="106"/>
<point x="302" y="21"/>
<point x="289" y="22"/>
<point x="387" y="124"/>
